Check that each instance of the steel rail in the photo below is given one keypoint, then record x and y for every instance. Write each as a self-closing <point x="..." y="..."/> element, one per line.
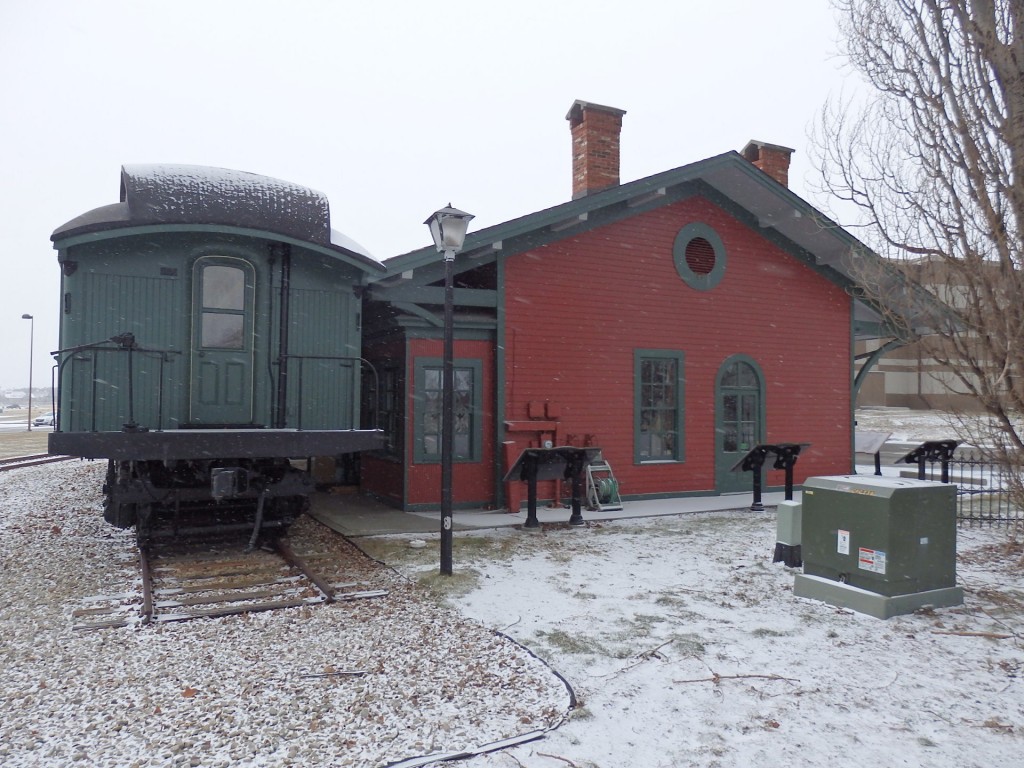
<point x="19" y="462"/>
<point x="295" y="561"/>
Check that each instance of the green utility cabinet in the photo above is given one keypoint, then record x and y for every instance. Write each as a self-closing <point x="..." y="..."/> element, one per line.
<point x="879" y="545"/>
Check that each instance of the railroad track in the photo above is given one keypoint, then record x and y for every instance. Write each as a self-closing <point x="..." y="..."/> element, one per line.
<point x="183" y="580"/>
<point x="19" y="462"/>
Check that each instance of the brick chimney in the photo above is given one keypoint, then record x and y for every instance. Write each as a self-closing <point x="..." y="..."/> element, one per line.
<point x="770" y="158"/>
<point x="595" y="147"/>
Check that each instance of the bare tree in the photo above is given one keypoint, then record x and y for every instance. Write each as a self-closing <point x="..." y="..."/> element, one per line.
<point x="935" y="162"/>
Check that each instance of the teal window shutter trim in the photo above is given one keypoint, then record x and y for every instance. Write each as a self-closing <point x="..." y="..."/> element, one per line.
<point x="658" y="405"/>
<point x="468" y="408"/>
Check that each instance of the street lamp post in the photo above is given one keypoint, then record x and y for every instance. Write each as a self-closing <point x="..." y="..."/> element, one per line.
<point x="448" y="228"/>
<point x="31" y="346"/>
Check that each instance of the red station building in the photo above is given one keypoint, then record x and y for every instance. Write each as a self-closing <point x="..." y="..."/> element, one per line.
<point x="675" y="322"/>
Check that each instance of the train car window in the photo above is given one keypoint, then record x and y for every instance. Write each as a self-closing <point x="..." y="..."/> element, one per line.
<point x="222" y="331"/>
<point x="223" y="307"/>
<point x="223" y="287"/>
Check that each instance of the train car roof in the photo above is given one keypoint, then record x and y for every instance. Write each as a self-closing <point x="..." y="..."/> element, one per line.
<point x="195" y="195"/>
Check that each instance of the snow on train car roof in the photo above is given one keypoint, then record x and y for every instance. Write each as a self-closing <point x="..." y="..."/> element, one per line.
<point x="193" y="194"/>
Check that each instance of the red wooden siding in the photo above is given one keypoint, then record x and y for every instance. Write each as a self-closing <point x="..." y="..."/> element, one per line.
<point x="577" y="310"/>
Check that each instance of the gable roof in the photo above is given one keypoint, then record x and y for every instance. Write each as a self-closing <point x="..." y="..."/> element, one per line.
<point x="728" y="180"/>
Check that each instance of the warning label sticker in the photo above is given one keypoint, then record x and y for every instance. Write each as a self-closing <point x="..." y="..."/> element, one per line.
<point x="871" y="560"/>
<point x="843" y="543"/>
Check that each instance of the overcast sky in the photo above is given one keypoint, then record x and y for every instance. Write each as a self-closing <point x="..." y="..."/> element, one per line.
<point x="393" y="109"/>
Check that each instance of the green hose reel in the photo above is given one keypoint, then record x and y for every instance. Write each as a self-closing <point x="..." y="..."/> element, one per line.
<point x="607" y="490"/>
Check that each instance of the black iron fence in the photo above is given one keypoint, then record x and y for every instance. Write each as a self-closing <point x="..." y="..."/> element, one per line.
<point x="982" y="491"/>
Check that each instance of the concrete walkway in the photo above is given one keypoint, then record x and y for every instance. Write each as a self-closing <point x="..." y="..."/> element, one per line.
<point x="355" y="515"/>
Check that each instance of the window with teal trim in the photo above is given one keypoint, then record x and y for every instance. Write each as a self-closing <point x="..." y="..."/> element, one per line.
<point x="658" y="421"/>
<point x="699" y="256"/>
<point x="468" y="430"/>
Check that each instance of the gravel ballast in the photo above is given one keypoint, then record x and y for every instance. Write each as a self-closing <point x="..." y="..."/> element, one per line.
<point x="361" y="683"/>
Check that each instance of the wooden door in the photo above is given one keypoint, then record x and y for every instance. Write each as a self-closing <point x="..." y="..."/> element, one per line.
<point x="221" y="391"/>
<point x="739" y="421"/>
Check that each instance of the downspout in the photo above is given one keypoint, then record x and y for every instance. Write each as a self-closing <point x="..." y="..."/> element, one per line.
<point x="284" y="251"/>
<point x="500" y="399"/>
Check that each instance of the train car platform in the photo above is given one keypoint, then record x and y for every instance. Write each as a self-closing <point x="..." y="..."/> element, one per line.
<point x="357" y="515"/>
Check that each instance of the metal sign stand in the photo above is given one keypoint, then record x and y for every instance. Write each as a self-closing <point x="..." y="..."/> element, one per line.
<point x="871" y="443"/>
<point x="563" y="463"/>
<point x="785" y="458"/>
<point x="930" y="452"/>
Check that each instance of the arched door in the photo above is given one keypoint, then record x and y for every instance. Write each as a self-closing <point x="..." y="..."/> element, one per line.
<point x="223" y="294"/>
<point x="739" y="420"/>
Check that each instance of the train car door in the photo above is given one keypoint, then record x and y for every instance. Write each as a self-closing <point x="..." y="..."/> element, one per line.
<point x="223" y="298"/>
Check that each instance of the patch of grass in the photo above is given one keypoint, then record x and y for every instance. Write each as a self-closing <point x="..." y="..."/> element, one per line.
<point x="572" y="643"/>
<point x="486" y="547"/>
<point x="703" y="523"/>
<point x="638" y="626"/>
<point x="627" y="637"/>
<point x="766" y="632"/>
<point x="668" y="531"/>
<point x="685" y="617"/>
<point x="461" y="582"/>
<point x="396" y="551"/>
<point x="670" y="600"/>
<point x="638" y="638"/>
<point x="581" y="713"/>
<point x="688" y="645"/>
<point x="561" y="555"/>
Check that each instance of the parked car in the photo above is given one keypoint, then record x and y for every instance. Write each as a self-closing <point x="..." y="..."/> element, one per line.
<point x="43" y="421"/>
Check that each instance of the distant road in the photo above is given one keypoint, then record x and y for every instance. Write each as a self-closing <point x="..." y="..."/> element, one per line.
<point x="13" y="426"/>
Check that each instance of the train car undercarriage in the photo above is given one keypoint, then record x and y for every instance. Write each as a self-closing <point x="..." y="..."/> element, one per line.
<point x="185" y="497"/>
<point x="178" y="482"/>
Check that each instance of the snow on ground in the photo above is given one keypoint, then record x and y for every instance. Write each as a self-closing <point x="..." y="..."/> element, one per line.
<point x="682" y="641"/>
<point x="267" y="689"/>
<point x="686" y="647"/>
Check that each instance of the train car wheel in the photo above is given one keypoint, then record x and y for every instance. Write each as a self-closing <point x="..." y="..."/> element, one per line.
<point x="118" y="514"/>
<point x="290" y="508"/>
